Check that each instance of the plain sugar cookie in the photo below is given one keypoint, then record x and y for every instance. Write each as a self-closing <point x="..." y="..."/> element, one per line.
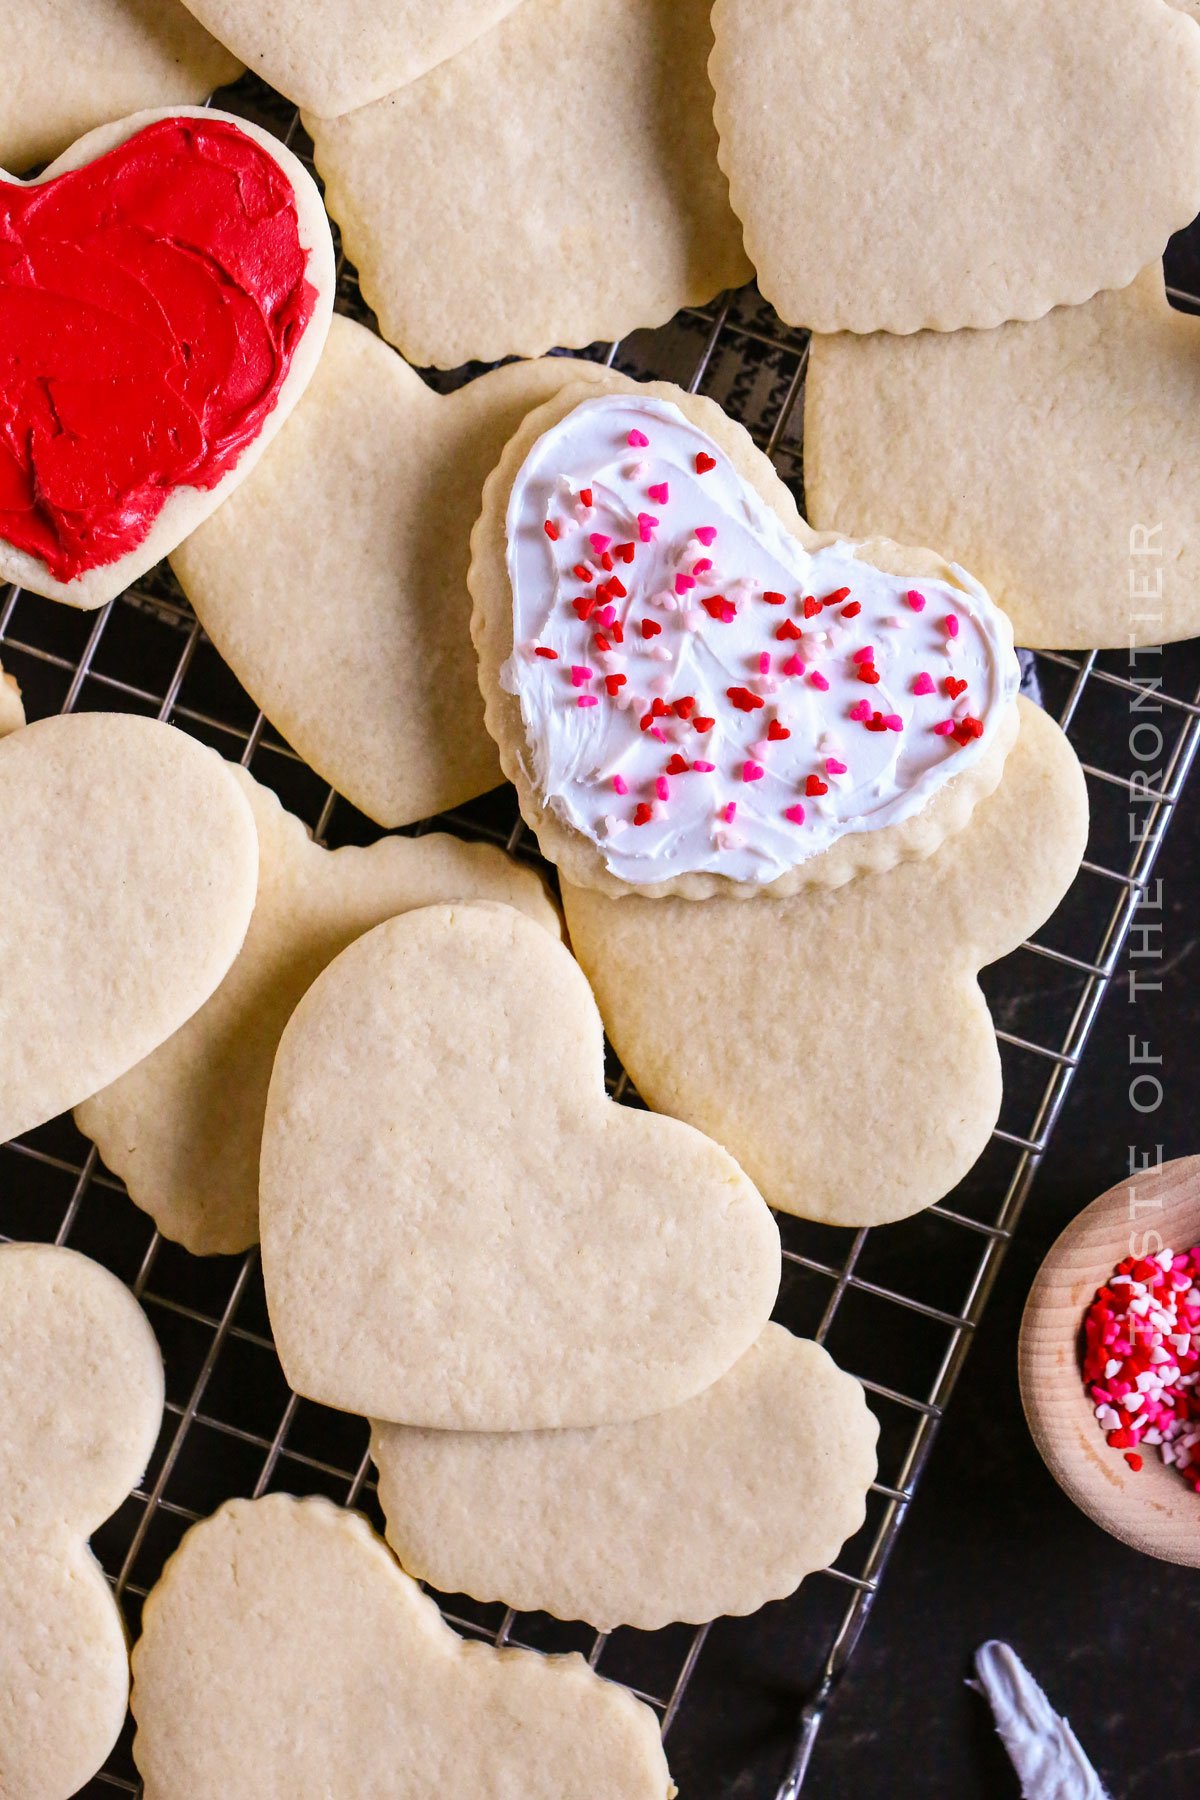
<point x="714" y="1507"/>
<point x="210" y="245"/>
<point x="183" y="1129"/>
<point x="439" y="1149"/>
<point x="884" y="970"/>
<point x="126" y="887"/>
<point x="81" y="1399"/>
<point x="334" y="582"/>
<point x="332" y="55"/>
<point x="284" y="1656"/>
<point x="1055" y="458"/>
<point x="555" y="183"/>
<point x="70" y="65"/>
<point x="696" y="694"/>
<point x="898" y="167"/>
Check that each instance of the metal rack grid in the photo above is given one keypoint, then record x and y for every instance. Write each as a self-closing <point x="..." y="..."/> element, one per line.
<point x="900" y="1302"/>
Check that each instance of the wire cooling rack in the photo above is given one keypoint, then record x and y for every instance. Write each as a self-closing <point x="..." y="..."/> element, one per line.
<point x="741" y="1701"/>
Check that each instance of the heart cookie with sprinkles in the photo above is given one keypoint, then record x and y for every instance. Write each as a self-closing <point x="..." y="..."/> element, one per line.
<point x="165" y="291"/>
<point x="692" y="691"/>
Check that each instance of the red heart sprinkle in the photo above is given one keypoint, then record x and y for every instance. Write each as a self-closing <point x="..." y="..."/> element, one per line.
<point x="626" y="552"/>
<point x="773" y="599"/>
<point x="869" y="673"/>
<point x="584" y="606"/>
<point x="614" y="683"/>
<point x="955" y="687"/>
<point x="814" y="787"/>
<point x="777" y="732"/>
<point x="850" y="612"/>
<point x="811" y="607"/>
<point x="718" y="607"/>
<point x="677" y="765"/>
<point x="704" y="462"/>
<point x="686" y="706"/>
<point x="701" y="724"/>
<point x="743" y="699"/>
<point x="642" y="814"/>
<point x="650" y="628"/>
<point x="585" y="494"/>
<point x="789" y="630"/>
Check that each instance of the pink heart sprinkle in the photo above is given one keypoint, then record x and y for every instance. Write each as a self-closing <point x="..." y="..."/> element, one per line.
<point x="638" y="440"/>
<point x="833" y="766"/>
<point x="655" y="732"/>
<point x="764" y="663"/>
<point x="818" y="680"/>
<point x="706" y="534"/>
<point x="793" y="666"/>
<point x="752" y="771"/>
<point x="951" y="624"/>
<point x="646" y="524"/>
<point x="865" y="655"/>
<point x="660" y="492"/>
<point x="662" y="788"/>
<point x="729" y="813"/>
<point x="587" y="700"/>
<point x="704" y="768"/>
<point x="795" y="814"/>
<point x="893" y="721"/>
<point x="860" y="712"/>
<point x="944" y="727"/>
<point x="683" y="583"/>
<point x="703" y="566"/>
<point x="923" y="684"/>
<point x="620" y="785"/>
<point x="762" y="748"/>
<point x="606" y="615"/>
<point x="599" y="542"/>
<point x="915" y="600"/>
<point x="579" y="675"/>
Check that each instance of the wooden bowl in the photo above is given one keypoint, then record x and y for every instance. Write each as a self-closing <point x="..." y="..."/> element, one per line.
<point x="1153" y="1509"/>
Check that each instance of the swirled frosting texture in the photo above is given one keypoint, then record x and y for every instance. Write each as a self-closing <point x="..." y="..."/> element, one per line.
<point x="150" y="306"/>
<point x="699" y="692"/>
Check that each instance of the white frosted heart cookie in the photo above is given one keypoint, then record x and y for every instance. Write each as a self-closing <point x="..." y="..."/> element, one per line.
<point x="183" y="1129"/>
<point x="898" y="168"/>
<point x="284" y="1656"/>
<point x="95" y="972"/>
<point x="12" y="713"/>
<point x="838" y="1044"/>
<point x="714" y="1507"/>
<point x="439" y="1148"/>
<point x="81" y="1398"/>
<point x="554" y="183"/>
<point x="123" y="55"/>
<point x="334" y="583"/>
<point x="332" y="55"/>
<point x="696" y="694"/>
<point x="1053" y="457"/>
<point x="165" y="302"/>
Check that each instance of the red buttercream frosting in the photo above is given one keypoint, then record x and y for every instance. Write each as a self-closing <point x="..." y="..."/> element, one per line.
<point x="150" y="307"/>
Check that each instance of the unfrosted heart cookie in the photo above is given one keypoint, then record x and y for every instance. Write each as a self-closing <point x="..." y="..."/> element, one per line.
<point x="284" y="1656"/>
<point x="12" y="713"/>
<point x="70" y="65"/>
<point x="335" y="582"/>
<point x="165" y="292"/>
<point x="554" y="183"/>
<point x="332" y="55"/>
<point x="440" y="1158"/>
<point x="838" y="1043"/>
<point x="904" y="167"/>
<point x="81" y="1398"/>
<point x="183" y="1128"/>
<point x="696" y="694"/>
<point x="126" y="885"/>
<point x="716" y="1506"/>
<point x="1054" y="457"/>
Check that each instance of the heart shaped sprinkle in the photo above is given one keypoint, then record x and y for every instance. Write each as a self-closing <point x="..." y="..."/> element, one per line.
<point x="955" y="687"/>
<point x="814" y="787"/>
<point x="704" y="462"/>
<point x="834" y="767"/>
<point x="720" y="644"/>
<point x="637" y="440"/>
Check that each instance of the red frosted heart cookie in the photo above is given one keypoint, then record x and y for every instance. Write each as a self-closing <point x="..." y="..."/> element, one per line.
<point x="165" y="290"/>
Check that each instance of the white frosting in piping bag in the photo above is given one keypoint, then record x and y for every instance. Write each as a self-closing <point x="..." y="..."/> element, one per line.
<point x="832" y="724"/>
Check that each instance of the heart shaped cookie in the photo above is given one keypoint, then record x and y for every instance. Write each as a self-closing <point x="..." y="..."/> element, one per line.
<point x="696" y="694"/>
<point x="126" y="886"/>
<point x="284" y="1656"/>
<point x="335" y="582"/>
<point x="1054" y="457"/>
<point x="183" y="1129"/>
<point x="867" y="996"/>
<point x="12" y="713"/>
<point x="70" y="65"/>
<point x="165" y="292"/>
<point x="81" y="1396"/>
<point x="554" y="183"/>
<point x="332" y="55"/>
<point x="898" y="168"/>
<point x="716" y="1506"/>
<point x="440" y="1159"/>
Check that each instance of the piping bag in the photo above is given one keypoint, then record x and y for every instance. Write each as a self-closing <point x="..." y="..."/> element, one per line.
<point x="1042" y="1748"/>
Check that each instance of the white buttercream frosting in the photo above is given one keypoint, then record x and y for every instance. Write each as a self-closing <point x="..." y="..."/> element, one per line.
<point x="803" y="749"/>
